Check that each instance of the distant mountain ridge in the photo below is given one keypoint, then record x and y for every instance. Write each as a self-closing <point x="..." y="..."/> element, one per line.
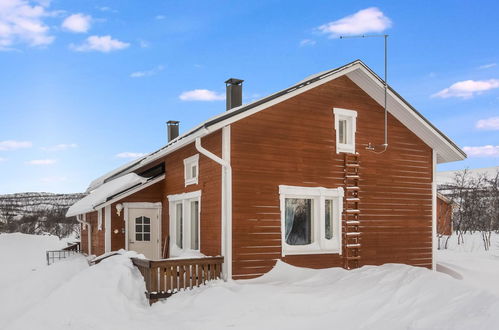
<point x="38" y="213"/>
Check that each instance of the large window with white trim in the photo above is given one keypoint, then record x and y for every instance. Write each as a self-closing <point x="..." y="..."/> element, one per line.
<point x="345" y="126"/>
<point x="184" y="222"/>
<point x="310" y="219"/>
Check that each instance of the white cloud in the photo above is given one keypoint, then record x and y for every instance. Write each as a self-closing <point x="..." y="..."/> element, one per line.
<point x="130" y="155"/>
<point x="2" y="159"/>
<point x="22" y="22"/>
<point x="468" y="88"/>
<point x="78" y="23"/>
<point x="13" y="145"/>
<point x="52" y="179"/>
<point x="482" y="151"/>
<point x="488" y="124"/>
<point x="201" y="95"/>
<point x="487" y="66"/>
<point x="60" y="147"/>
<point x="307" y="42"/>
<point x="103" y="44"/>
<point x="160" y="17"/>
<point x="147" y="73"/>
<point x="143" y="43"/>
<point x="364" y="21"/>
<point x="41" y="162"/>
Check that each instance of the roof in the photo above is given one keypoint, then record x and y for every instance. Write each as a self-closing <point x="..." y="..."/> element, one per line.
<point x="357" y="71"/>
<point x="108" y="192"/>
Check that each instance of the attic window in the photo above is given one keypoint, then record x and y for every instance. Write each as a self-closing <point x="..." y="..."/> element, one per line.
<point x="345" y="127"/>
<point x="191" y="170"/>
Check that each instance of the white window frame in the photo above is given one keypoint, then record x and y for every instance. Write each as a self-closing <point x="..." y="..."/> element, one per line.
<point x="319" y="245"/>
<point x="185" y="199"/>
<point x="188" y="164"/>
<point x="351" y="118"/>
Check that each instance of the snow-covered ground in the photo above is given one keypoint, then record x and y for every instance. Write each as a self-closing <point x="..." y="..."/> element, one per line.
<point x="471" y="263"/>
<point x="72" y="295"/>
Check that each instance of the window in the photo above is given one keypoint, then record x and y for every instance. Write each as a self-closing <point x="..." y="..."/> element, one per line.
<point x="310" y="219"/>
<point x="345" y="127"/>
<point x="179" y="225"/>
<point x="194" y="224"/>
<point x="298" y="221"/>
<point x="142" y="229"/>
<point x="185" y="222"/>
<point x="191" y="170"/>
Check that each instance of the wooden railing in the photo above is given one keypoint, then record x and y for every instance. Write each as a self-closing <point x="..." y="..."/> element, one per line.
<point x="55" y="255"/>
<point x="165" y="277"/>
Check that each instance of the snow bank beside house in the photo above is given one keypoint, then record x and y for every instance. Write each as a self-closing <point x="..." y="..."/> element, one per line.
<point x="470" y="262"/>
<point x="386" y="297"/>
<point x="109" y="295"/>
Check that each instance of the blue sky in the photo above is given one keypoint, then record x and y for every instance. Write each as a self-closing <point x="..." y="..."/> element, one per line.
<point x="86" y="84"/>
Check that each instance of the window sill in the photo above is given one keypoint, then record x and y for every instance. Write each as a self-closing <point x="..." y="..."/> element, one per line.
<point x="191" y="181"/>
<point x="311" y="249"/>
<point x="346" y="148"/>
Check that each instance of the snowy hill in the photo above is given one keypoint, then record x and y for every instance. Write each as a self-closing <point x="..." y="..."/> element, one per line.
<point x="447" y="177"/>
<point x="37" y="213"/>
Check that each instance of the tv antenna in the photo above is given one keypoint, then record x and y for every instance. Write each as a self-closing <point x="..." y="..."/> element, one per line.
<point x="370" y="146"/>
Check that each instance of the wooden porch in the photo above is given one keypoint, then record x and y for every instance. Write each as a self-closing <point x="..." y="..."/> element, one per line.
<point x="166" y="277"/>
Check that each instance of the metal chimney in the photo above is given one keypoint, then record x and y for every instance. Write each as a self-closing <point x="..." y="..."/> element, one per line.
<point x="234" y="89"/>
<point x="172" y="126"/>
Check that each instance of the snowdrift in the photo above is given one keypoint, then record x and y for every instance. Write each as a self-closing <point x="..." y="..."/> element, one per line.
<point x="110" y="295"/>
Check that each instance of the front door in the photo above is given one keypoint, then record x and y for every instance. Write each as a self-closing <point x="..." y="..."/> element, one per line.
<point x="143" y="231"/>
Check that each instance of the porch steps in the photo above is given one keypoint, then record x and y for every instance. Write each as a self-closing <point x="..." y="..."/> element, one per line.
<point x="351" y="212"/>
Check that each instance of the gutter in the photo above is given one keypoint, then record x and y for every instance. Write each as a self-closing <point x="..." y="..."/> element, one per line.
<point x="89" y="231"/>
<point x="226" y="233"/>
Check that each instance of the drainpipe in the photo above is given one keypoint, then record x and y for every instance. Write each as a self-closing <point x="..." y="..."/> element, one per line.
<point x="89" y="231"/>
<point x="226" y="197"/>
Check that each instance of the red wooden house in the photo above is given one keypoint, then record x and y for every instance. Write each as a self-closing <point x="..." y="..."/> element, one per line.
<point x="302" y="175"/>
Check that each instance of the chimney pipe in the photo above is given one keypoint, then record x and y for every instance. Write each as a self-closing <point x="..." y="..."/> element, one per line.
<point x="234" y="88"/>
<point x="172" y="126"/>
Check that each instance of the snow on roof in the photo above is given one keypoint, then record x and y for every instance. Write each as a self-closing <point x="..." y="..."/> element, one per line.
<point x="100" y="194"/>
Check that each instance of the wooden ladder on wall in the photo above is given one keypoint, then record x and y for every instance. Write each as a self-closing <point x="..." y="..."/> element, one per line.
<point x="351" y="213"/>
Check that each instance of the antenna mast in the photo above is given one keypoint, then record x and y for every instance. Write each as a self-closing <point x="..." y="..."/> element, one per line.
<point x="385" y="83"/>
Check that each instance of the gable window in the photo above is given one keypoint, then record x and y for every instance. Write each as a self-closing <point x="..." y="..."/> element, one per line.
<point x="184" y="222"/>
<point x="345" y="126"/>
<point x="191" y="170"/>
<point x="310" y="219"/>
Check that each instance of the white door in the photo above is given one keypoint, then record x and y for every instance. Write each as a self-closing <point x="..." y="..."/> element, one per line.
<point x="143" y="232"/>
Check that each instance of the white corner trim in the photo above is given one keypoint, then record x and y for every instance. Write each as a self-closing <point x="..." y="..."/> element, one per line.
<point x="107" y="229"/>
<point x="434" y="240"/>
<point x="99" y="219"/>
<point x="226" y="207"/>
